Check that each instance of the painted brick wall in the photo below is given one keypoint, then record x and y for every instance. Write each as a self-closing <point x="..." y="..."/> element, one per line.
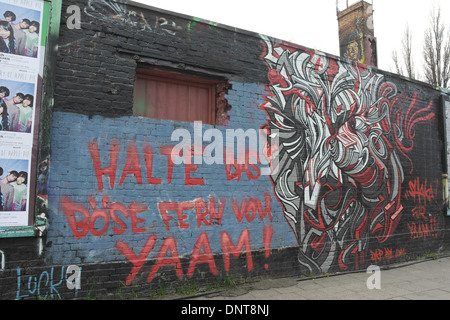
<point x="360" y="179"/>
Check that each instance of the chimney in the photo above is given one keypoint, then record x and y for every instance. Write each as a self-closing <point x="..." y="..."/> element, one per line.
<point x="357" y="39"/>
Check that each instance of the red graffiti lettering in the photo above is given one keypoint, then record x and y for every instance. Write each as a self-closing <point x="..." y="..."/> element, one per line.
<point x="228" y="247"/>
<point x="133" y="165"/>
<point x="169" y="246"/>
<point x="92" y="222"/>
<point x="168" y="257"/>
<point x="419" y="212"/>
<point x="386" y="254"/>
<point x="167" y="151"/>
<point x="267" y="238"/>
<point x="399" y="253"/>
<point x="81" y="228"/>
<point x="201" y="258"/>
<point x="148" y="155"/>
<point x="202" y="211"/>
<point x="183" y="206"/>
<point x="82" y="221"/>
<point x="249" y="208"/>
<point x="420" y="192"/>
<point x="118" y="207"/>
<point x="239" y="169"/>
<point x="137" y="261"/>
<point x="164" y="207"/>
<point x="242" y="166"/>
<point x="423" y="230"/>
<point x="134" y="209"/>
<point x="376" y="255"/>
<point x="111" y="170"/>
<point x="189" y="181"/>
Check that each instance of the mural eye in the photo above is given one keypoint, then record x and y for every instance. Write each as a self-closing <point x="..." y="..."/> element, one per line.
<point x="282" y="122"/>
<point x="352" y="124"/>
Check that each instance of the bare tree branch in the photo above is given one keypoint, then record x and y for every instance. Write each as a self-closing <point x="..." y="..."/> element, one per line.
<point x="398" y="69"/>
<point x="446" y="63"/>
<point x="407" y="53"/>
<point x="429" y="58"/>
<point x="436" y="51"/>
<point x="407" y="56"/>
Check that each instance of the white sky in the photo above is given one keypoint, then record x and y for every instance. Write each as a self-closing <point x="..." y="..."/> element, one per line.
<point x="313" y="23"/>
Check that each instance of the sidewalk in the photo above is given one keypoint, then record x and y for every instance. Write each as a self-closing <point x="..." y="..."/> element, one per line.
<point x="421" y="280"/>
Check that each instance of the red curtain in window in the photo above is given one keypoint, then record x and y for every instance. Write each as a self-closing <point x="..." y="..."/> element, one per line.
<point x="174" y="100"/>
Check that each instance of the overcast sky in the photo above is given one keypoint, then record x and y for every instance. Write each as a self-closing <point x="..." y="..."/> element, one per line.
<point x="313" y="23"/>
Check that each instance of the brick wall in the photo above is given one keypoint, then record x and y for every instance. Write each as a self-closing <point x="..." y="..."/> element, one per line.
<point x="357" y="40"/>
<point x="360" y="180"/>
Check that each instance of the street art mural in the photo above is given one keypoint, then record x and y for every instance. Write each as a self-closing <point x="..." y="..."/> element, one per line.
<point x="165" y="228"/>
<point x="343" y="180"/>
<point x="136" y="205"/>
<point x="337" y="185"/>
<point x="342" y="133"/>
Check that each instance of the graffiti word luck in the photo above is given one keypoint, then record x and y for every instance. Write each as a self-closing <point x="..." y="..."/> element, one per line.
<point x="49" y="283"/>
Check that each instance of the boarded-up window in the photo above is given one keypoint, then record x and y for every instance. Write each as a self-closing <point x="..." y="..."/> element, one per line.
<point x="172" y="96"/>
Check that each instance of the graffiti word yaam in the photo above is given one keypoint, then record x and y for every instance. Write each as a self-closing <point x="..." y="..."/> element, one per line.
<point x="206" y="213"/>
<point x="49" y="284"/>
<point x="423" y="230"/>
<point x="201" y="254"/>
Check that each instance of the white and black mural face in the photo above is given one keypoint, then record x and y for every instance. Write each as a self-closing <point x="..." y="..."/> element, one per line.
<point x="341" y="136"/>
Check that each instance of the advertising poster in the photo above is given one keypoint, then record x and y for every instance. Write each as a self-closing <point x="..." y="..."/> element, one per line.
<point x="20" y="65"/>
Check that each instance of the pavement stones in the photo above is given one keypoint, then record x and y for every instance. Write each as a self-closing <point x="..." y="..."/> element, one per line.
<point x="420" y="280"/>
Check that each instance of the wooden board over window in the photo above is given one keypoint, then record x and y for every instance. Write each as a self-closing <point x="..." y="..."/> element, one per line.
<point x="172" y="96"/>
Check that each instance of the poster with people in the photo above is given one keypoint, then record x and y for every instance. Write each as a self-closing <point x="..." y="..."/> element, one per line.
<point x="14" y="192"/>
<point x="20" y="34"/>
<point x="21" y="56"/>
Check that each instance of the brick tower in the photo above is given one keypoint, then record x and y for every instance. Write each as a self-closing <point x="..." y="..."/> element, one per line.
<point x="357" y="40"/>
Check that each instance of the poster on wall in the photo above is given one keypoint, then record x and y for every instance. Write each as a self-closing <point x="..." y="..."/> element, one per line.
<point x="21" y="61"/>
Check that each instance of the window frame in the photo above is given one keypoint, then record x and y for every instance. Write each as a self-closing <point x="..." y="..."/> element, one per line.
<point x="188" y="80"/>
